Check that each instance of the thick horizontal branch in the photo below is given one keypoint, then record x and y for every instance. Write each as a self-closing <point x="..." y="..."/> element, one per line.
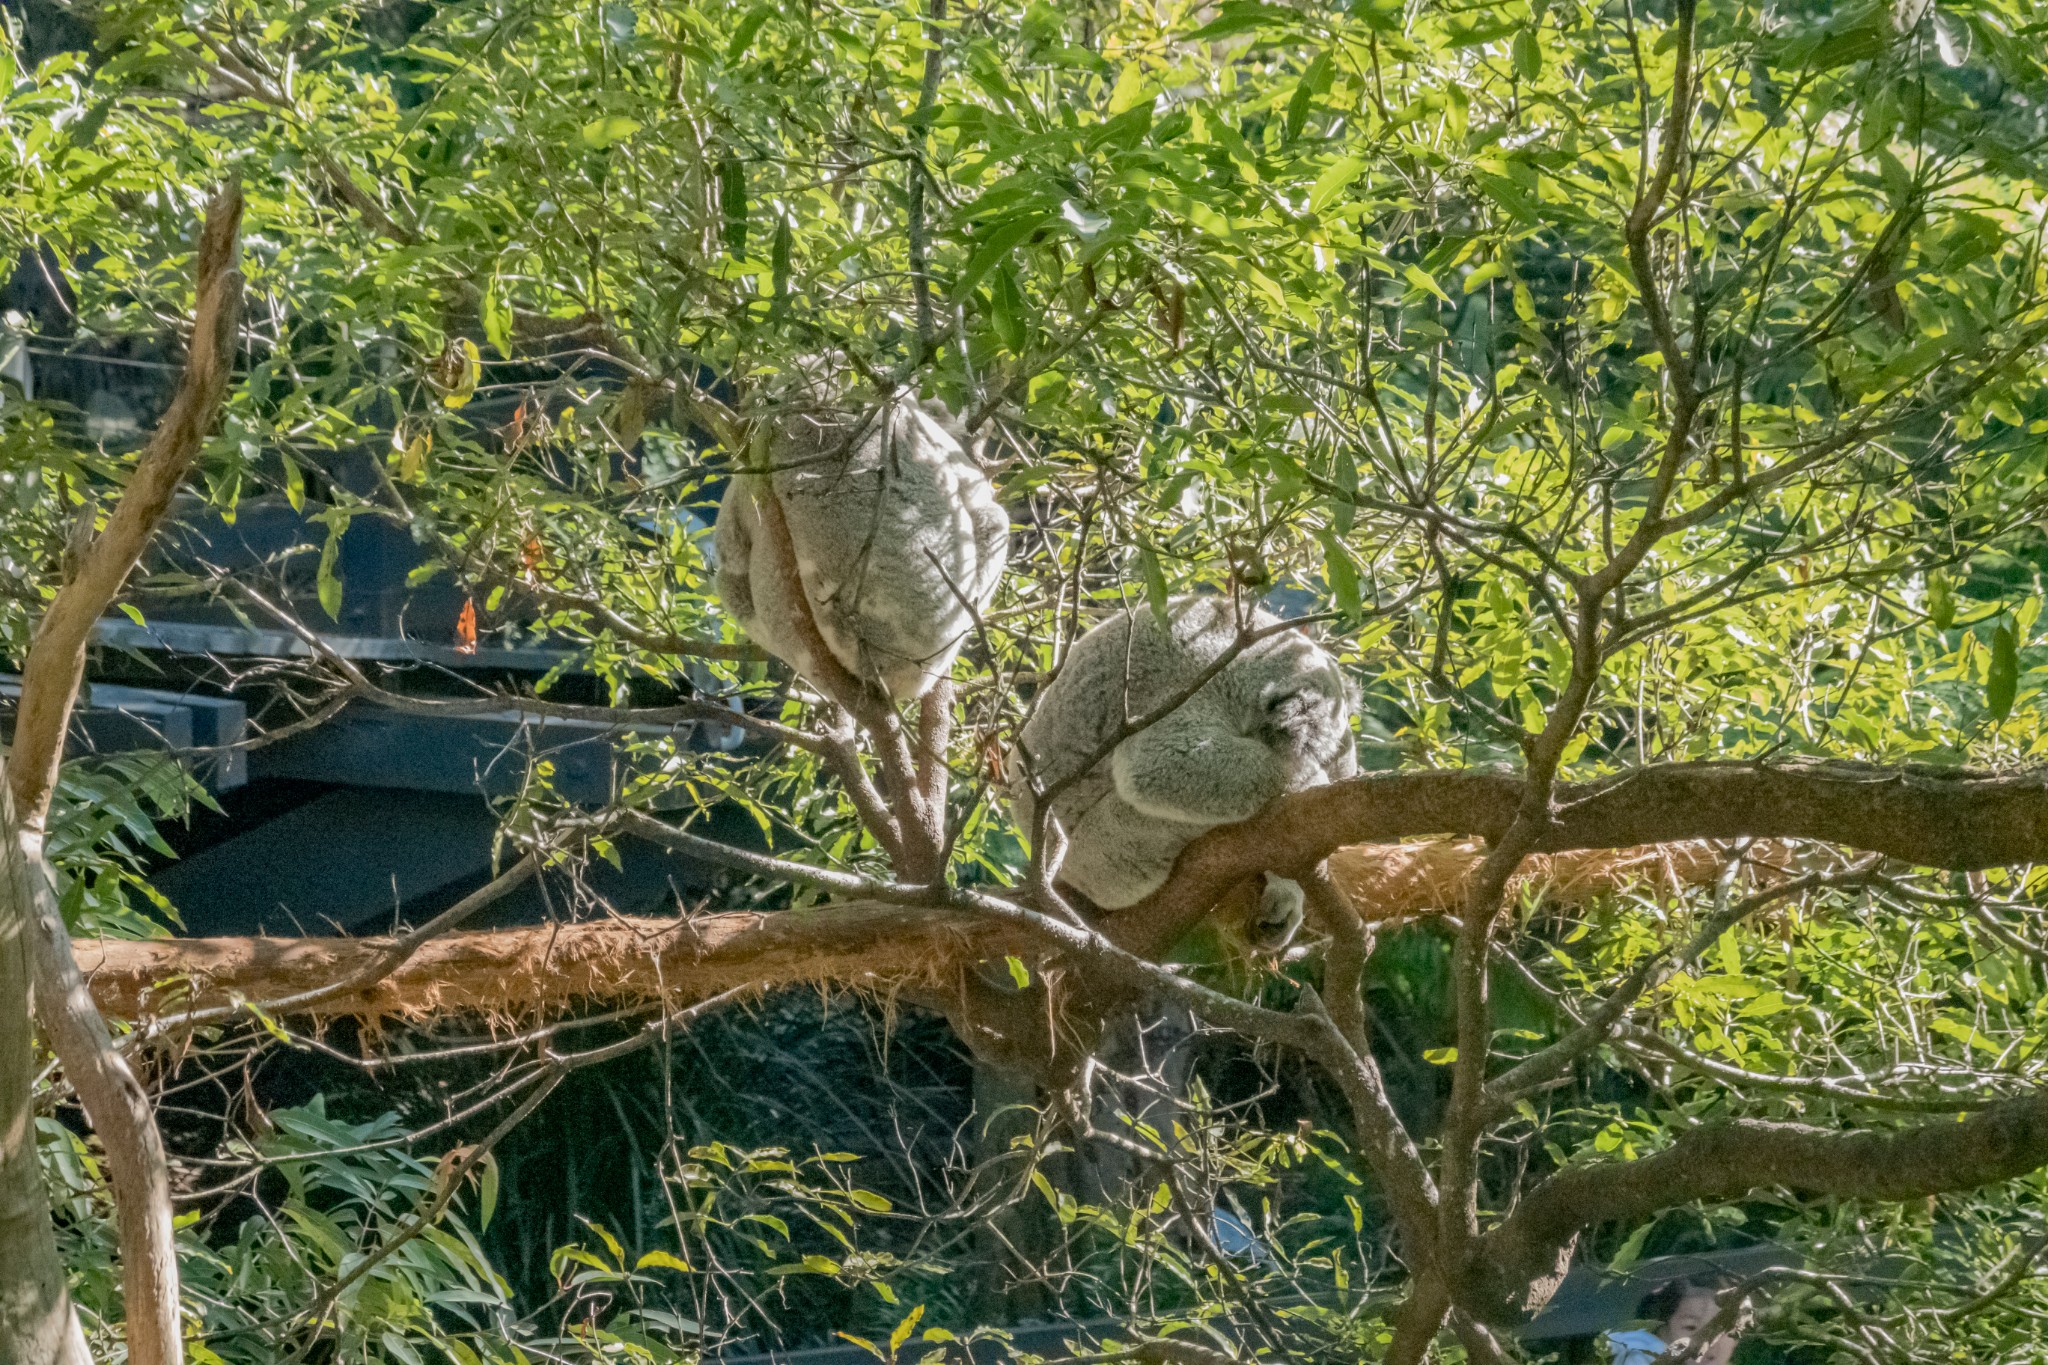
<point x="522" y="971"/>
<point x="855" y="942"/>
<point x="1930" y="818"/>
<point x="1925" y="816"/>
<point x="1727" y="1161"/>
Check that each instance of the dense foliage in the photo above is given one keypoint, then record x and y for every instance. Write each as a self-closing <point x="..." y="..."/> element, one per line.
<point x="1619" y="383"/>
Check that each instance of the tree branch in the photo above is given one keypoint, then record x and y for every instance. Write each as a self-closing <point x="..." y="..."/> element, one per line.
<point x="112" y="1095"/>
<point x="56" y="658"/>
<point x="1957" y="820"/>
<point x="1729" y="1160"/>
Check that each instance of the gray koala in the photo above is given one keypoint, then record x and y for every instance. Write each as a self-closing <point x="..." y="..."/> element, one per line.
<point x="893" y="523"/>
<point x="1275" y="719"/>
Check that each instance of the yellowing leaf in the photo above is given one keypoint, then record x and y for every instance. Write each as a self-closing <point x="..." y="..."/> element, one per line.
<point x="1130" y="88"/>
<point x="904" y="1329"/>
<point x="472" y="372"/>
<point x="603" y="132"/>
<point x="663" y="1260"/>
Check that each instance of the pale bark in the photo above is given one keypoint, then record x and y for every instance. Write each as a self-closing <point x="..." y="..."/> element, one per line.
<point x="37" y="1323"/>
<point x="869" y="945"/>
<point x="106" y="1086"/>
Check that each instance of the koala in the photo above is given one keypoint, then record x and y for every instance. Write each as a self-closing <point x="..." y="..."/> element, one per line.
<point x="1277" y="718"/>
<point x="897" y="534"/>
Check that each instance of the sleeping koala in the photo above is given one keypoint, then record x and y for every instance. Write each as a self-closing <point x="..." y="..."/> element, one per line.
<point x="893" y="524"/>
<point x="1277" y="718"/>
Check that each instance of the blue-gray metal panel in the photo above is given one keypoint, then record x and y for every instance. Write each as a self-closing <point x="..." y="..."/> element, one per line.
<point x="346" y="862"/>
<point x="205" y="638"/>
<point x="367" y="745"/>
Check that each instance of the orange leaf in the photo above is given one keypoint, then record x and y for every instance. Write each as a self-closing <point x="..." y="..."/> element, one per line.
<point x="465" y="627"/>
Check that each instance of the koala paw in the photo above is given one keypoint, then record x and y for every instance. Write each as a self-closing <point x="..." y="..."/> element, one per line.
<point x="1279" y="914"/>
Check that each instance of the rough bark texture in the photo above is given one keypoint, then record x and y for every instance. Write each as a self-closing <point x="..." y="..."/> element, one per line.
<point x="37" y="1324"/>
<point x="106" y="1086"/>
<point x="1929" y="817"/>
<point x="871" y="946"/>
<point x="515" y="972"/>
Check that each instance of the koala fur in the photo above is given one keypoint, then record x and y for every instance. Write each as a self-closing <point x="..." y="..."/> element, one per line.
<point x="1277" y="718"/>
<point x="893" y="523"/>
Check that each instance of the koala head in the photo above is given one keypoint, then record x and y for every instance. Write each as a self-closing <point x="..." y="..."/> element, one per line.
<point x="1296" y="698"/>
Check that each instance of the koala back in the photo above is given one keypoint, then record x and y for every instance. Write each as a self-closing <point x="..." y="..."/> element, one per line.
<point x="1282" y="699"/>
<point x="898" y="536"/>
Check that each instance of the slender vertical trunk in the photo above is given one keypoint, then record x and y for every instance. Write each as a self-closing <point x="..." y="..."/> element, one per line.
<point x="113" y="1098"/>
<point x="1017" y="1235"/>
<point x="37" y="1323"/>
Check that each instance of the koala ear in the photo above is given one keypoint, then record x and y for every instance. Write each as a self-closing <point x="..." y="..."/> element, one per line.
<point x="974" y="444"/>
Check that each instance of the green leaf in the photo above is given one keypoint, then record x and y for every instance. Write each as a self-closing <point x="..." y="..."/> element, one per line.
<point x="1528" y="52"/>
<point x="603" y="132"/>
<point x="1305" y="90"/>
<point x="329" y="581"/>
<point x="1966" y="1034"/>
<point x="2002" y="683"/>
<point x="778" y="258"/>
<point x="487" y="1191"/>
<point x="497" y="319"/>
<point x="1440" y="1056"/>
<point x="1006" y="309"/>
<point x="732" y="203"/>
<point x="1334" y="180"/>
<point x="1019" y="973"/>
<point x="1342" y="575"/>
<point x="1155" y="582"/>
<point x="1344" y="473"/>
<point x="1631" y="1250"/>
<point x="1241" y="16"/>
<point x="1424" y="281"/>
<point x="1130" y="88"/>
<point x="1941" y="601"/>
<point x="743" y="36"/>
<point x="994" y="244"/>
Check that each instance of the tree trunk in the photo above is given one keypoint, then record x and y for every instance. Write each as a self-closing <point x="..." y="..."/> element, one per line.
<point x="1016" y="1240"/>
<point x="37" y="1323"/>
<point x="113" y="1098"/>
